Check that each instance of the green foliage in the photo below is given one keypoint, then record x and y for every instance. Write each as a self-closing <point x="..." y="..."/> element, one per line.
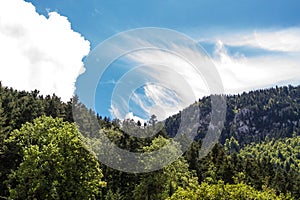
<point x="252" y="116"/>
<point x="232" y="145"/>
<point x="164" y="182"/>
<point x="221" y="191"/>
<point x="20" y="107"/>
<point x="284" y="152"/>
<point x="113" y="196"/>
<point x="281" y="161"/>
<point x="54" y="164"/>
<point x="45" y="158"/>
<point x="236" y="168"/>
<point x="17" y="108"/>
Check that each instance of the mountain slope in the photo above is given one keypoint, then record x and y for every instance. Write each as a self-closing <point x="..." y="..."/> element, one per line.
<point x="253" y="116"/>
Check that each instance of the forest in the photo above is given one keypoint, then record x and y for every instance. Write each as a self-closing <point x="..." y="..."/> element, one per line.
<point x="43" y="154"/>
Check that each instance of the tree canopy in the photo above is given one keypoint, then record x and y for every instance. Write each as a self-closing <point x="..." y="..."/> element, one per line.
<point x="43" y="153"/>
<point x="54" y="163"/>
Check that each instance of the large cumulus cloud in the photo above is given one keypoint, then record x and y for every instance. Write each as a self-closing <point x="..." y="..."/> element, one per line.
<point x="39" y="52"/>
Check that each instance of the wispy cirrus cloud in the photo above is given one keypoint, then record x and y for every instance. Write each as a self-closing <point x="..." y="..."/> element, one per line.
<point x="183" y="69"/>
<point x="277" y="60"/>
<point x="155" y="99"/>
<point x="284" y="40"/>
<point x="241" y="73"/>
<point x="170" y="84"/>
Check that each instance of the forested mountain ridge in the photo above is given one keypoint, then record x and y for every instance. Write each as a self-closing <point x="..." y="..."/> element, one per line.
<point x="41" y="149"/>
<point x="252" y="116"/>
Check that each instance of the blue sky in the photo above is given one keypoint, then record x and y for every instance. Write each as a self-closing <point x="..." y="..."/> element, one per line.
<point x="97" y="20"/>
<point x="252" y="43"/>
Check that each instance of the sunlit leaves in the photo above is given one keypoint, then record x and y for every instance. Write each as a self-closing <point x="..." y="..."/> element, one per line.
<point x="55" y="164"/>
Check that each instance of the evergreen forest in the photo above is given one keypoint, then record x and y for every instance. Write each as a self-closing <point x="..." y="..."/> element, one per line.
<point x="43" y="153"/>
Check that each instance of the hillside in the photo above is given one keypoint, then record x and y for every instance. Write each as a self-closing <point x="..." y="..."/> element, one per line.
<point x="253" y="116"/>
<point x="42" y="154"/>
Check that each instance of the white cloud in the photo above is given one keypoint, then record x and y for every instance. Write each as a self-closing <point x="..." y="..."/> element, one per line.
<point x="38" y="52"/>
<point x="172" y="71"/>
<point x="240" y="73"/>
<point x="158" y="100"/>
<point x="140" y="100"/>
<point x="285" y="40"/>
<point x="115" y="112"/>
<point x="277" y="61"/>
<point x="161" y="95"/>
<point x="130" y="115"/>
<point x="172" y="85"/>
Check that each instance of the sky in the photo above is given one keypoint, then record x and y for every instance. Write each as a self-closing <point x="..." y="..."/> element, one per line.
<point x="43" y="45"/>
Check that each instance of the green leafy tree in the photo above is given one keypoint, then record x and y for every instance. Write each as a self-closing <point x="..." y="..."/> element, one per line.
<point x="113" y="196"/>
<point x="164" y="182"/>
<point x="232" y="145"/>
<point x="221" y="191"/>
<point x="54" y="162"/>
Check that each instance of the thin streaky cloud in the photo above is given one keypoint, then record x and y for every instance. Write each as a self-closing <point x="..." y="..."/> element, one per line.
<point x="284" y="40"/>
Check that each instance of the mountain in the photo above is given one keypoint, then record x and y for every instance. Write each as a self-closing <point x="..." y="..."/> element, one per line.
<point x="257" y="156"/>
<point x="251" y="117"/>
